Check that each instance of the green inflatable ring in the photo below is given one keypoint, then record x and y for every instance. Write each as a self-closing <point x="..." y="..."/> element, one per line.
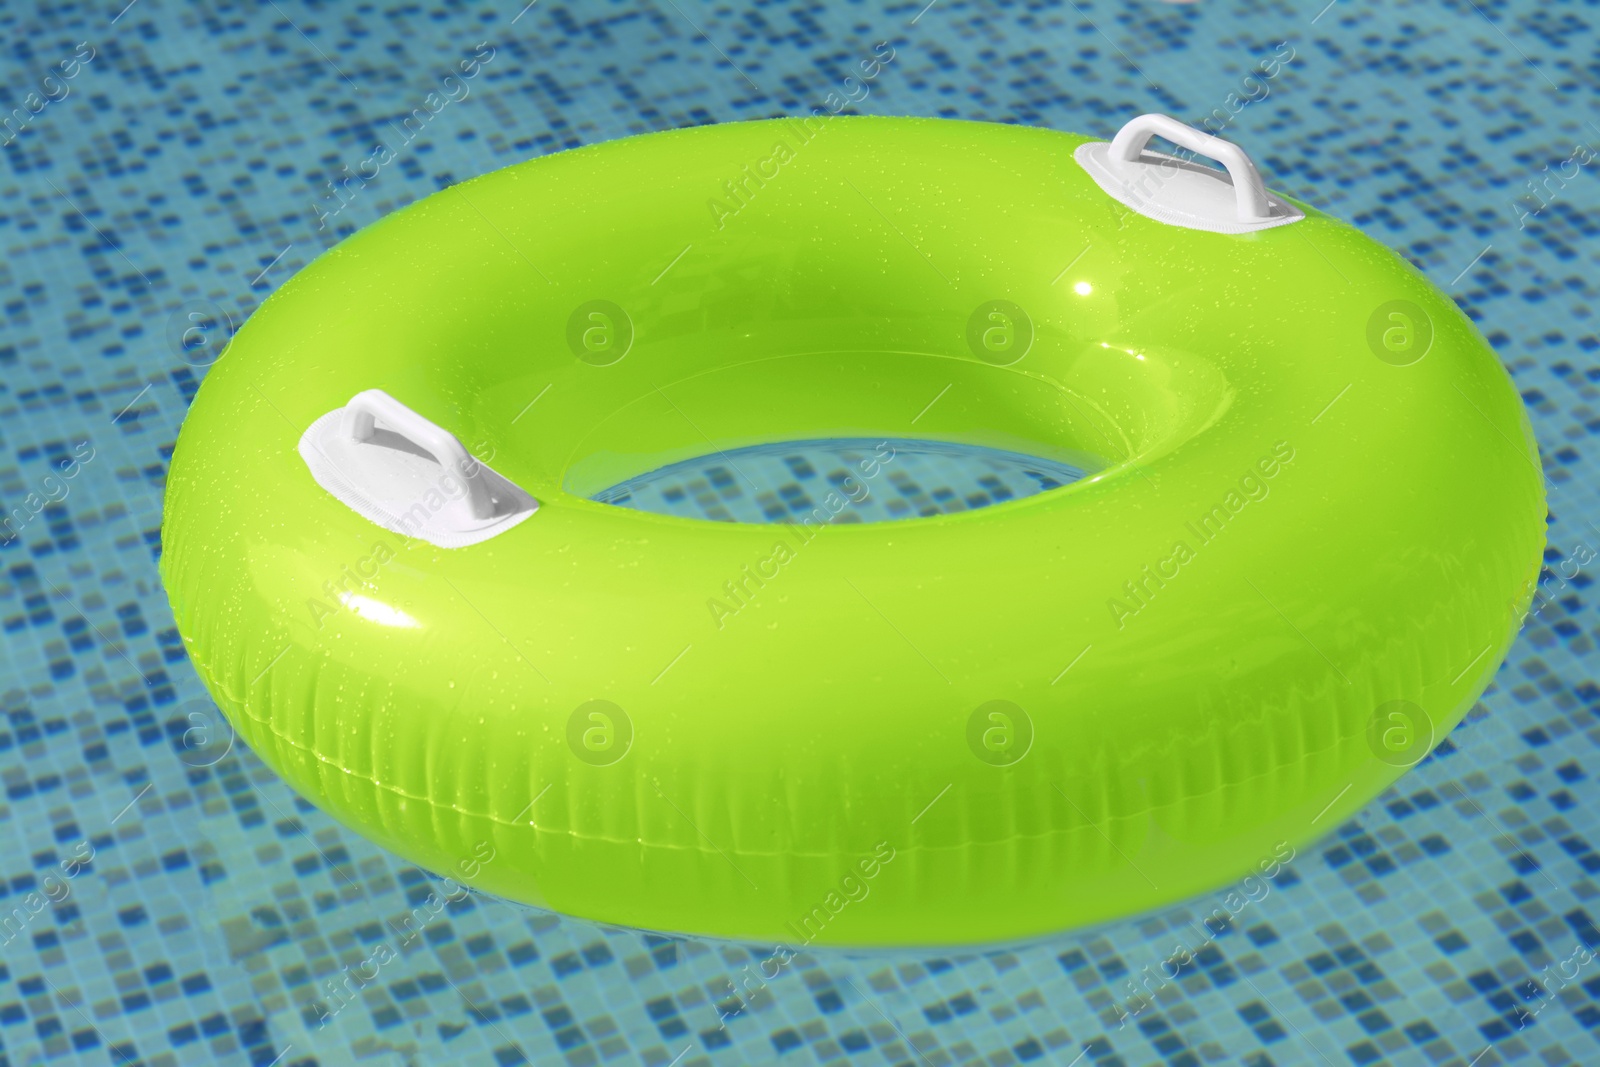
<point x="1314" y="516"/>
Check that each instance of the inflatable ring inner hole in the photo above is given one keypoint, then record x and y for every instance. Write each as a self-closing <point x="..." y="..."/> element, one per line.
<point x="764" y="440"/>
<point x="843" y="480"/>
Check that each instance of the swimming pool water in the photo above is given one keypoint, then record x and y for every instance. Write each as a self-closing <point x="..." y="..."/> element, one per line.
<point x="840" y="481"/>
<point x="195" y="911"/>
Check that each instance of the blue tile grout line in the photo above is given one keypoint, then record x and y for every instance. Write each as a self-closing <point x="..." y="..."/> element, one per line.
<point x="172" y="904"/>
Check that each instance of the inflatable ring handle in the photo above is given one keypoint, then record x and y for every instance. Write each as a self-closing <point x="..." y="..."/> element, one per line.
<point x="1248" y="186"/>
<point x="359" y="421"/>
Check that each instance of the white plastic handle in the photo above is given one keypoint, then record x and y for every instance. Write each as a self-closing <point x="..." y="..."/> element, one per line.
<point x="1247" y="183"/>
<point x="360" y="418"/>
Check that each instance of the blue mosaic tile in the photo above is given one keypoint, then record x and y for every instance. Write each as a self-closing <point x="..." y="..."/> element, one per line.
<point x="840" y="481"/>
<point x="166" y="904"/>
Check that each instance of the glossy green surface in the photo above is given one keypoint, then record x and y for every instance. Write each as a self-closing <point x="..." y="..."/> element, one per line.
<point x="1374" y="532"/>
